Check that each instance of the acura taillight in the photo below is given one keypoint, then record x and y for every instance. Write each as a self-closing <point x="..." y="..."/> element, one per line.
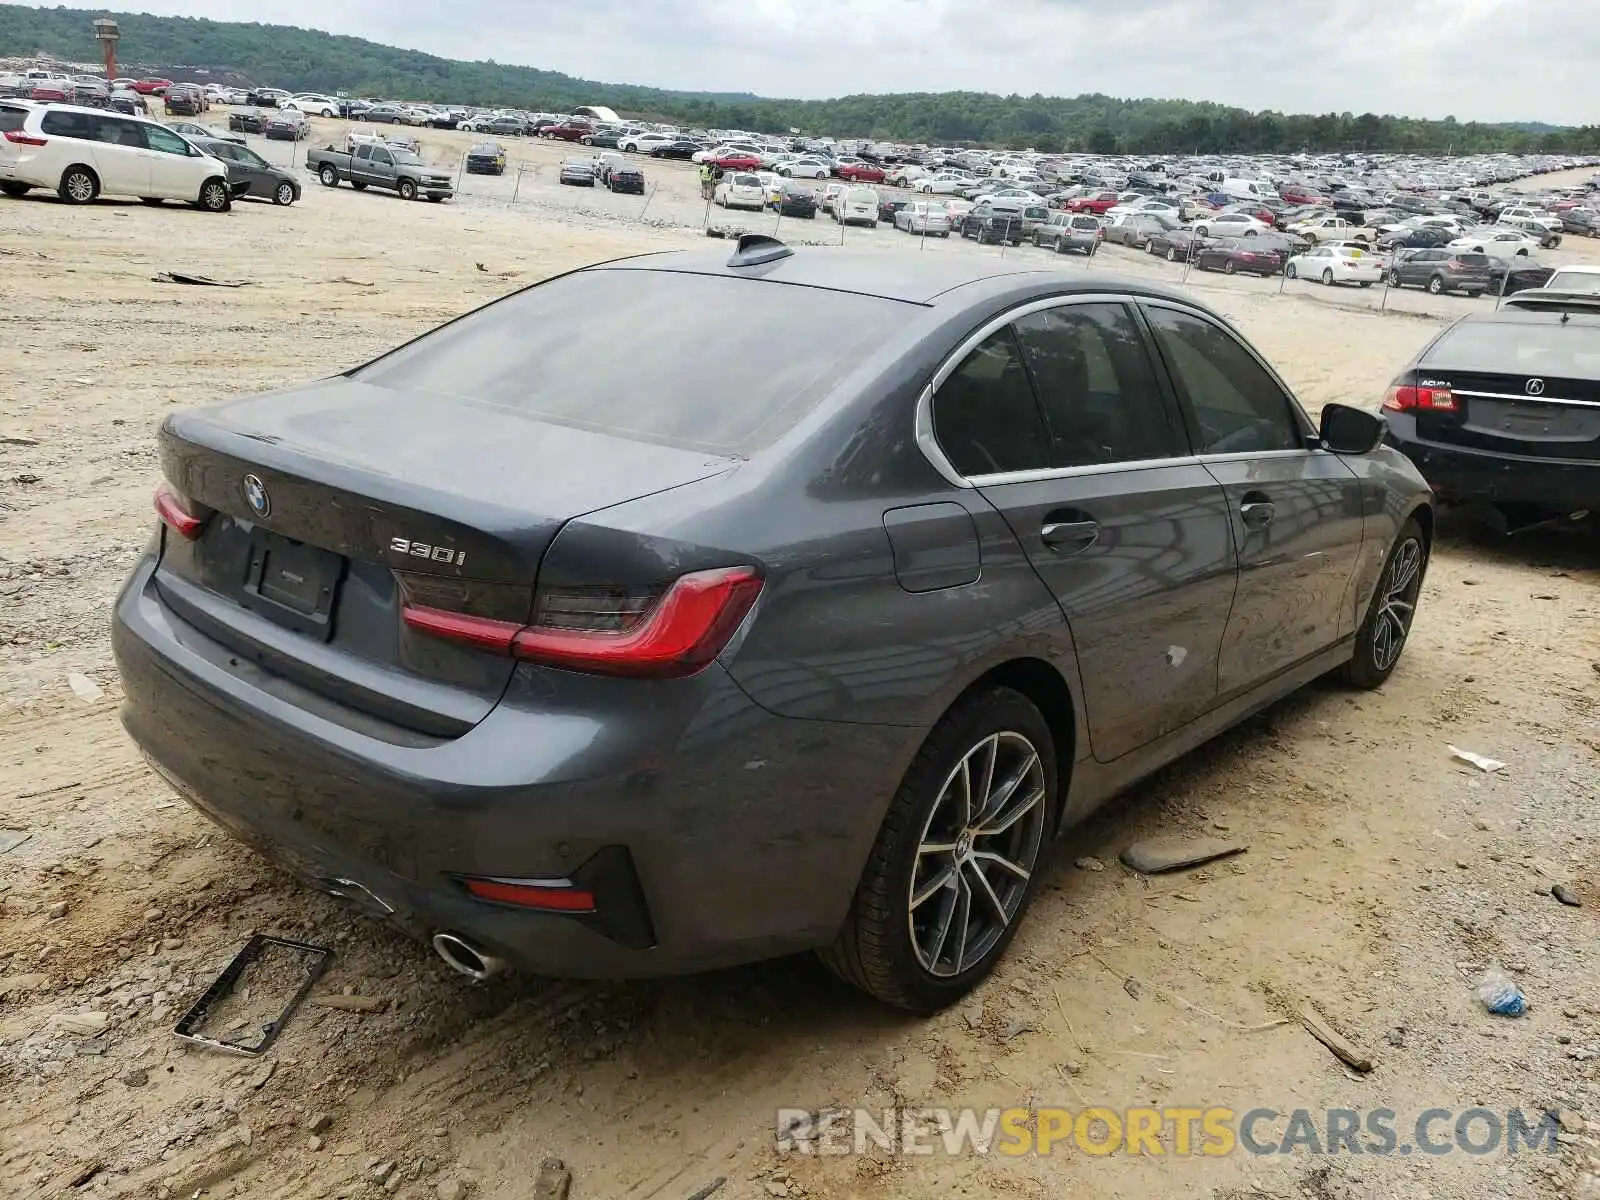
<point x="1403" y="397"/>
<point x="648" y="632"/>
<point x="179" y="513"/>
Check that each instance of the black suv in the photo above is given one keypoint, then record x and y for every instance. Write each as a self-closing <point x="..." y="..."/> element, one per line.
<point x="992" y="226"/>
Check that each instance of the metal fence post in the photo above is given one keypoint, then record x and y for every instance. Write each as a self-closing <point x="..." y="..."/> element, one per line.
<point x="1505" y="280"/>
<point x="1188" y="260"/>
<point x="517" y="186"/>
<point x="1388" y="274"/>
<point x="461" y="165"/>
<point x="647" y="200"/>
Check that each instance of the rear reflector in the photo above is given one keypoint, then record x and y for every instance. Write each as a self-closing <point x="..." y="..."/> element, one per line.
<point x="613" y="631"/>
<point x="179" y="513"/>
<point x="551" y="895"/>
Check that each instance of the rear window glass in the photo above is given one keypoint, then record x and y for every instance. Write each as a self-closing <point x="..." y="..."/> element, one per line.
<point x="1568" y="350"/>
<point x="1473" y="259"/>
<point x="729" y="366"/>
<point x="12" y="118"/>
<point x="1563" y="281"/>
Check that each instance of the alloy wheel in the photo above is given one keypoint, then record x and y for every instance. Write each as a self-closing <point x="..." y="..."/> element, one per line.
<point x="977" y="852"/>
<point x="1397" y="604"/>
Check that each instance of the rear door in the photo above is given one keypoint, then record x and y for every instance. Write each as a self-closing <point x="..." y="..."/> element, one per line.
<point x="1296" y="512"/>
<point x="1059" y="421"/>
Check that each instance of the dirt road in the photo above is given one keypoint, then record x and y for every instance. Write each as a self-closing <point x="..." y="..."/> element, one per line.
<point x="1381" y="878"/>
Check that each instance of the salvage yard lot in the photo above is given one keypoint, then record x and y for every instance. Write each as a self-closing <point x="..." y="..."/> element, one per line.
<point x="1382" y="877"/>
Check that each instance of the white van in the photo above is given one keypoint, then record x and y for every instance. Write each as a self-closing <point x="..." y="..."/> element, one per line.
<point x="1248" y="189"/>
<point x="856" y="206"/>
<point x="84" y="153"/>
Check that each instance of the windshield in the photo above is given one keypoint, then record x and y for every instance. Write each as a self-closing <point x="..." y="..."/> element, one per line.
<point x="550" y="351"/>
<point x="1558" y="349"/>
<point x="405" y="156"/>
<point x="1575" y="281"/>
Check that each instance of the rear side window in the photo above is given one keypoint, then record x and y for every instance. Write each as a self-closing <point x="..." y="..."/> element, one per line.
<point x="730" y="365"/>
<point x="1238" y="406"/>
<point x="12" y="118"/>
<point x="1097" y="386"/>
<point x="985" y="415"/>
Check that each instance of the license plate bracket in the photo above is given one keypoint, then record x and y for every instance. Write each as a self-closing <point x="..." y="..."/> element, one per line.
<point x="292" y="584"/>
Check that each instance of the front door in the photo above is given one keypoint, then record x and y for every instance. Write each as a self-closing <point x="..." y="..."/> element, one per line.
<point x="1060" y="422"/>
<point x="1296" y="511"/>
<point x="173" y="165"/>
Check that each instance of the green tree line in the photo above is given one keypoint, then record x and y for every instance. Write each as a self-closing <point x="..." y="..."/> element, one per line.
<point x="303" y="59"/>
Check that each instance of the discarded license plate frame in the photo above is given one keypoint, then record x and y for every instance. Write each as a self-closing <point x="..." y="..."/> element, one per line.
<point x="229" y="977"/>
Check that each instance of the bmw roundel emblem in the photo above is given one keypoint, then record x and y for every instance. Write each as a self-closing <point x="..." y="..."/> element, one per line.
<point x="255" y="495"/>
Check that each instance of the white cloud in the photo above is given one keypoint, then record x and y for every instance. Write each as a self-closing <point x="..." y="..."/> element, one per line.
<point x="1474" y="59"/>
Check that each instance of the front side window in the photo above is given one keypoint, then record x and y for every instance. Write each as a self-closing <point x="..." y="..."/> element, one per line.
<point x="1098" y="388"/>
<point x="1238" y="406"/>
<point x="985" y="416"/>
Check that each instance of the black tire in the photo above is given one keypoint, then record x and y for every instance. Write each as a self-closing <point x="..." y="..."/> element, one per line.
<point x="1291" y="272"/>
<point x="358" y="185"/>
<point x="1436" y="286"/>
<point x="1227" y="267"/>
<point x="78" y="186"/>
<point x="1327" y="277"/>
<point x="284" y="195"/>
<point x="14" y="190"/>
<point x="407" y="189"/>
<point x="1394" y="278"/>
<point x="877" y="949"/>
<point x="1382" y="637"/>
<point x="214" y="196"/>
<point x="1172" y="254"/>
<point x="435" y="199"/>
<point x="329" y="174"/>
<point x="1366" y="283"/>
<point x="152" y="201"/>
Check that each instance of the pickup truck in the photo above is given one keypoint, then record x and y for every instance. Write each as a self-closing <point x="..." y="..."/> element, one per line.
<point x="380" y="166"/>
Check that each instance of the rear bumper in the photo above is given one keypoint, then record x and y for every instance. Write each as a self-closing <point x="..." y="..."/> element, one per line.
<point x="1557" y="485"/>
<point x="742" y="847"/>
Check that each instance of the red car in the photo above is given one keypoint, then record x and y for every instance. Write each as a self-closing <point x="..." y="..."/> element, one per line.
<point x="152" y="87"/>
<point x="736" y="160"/>
<point x="567" y="131"/>
<point x="51" y="89"/>
<point x="1299" y="195"/>
<point x="1095" y="202"/>
<point x="859" y="172"/>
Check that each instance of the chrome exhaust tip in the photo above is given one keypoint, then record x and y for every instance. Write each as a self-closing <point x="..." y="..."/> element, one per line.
<point x="466" y="958"/>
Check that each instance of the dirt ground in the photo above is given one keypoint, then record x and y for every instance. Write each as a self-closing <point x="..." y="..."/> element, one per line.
<point x="1382" y="877"/>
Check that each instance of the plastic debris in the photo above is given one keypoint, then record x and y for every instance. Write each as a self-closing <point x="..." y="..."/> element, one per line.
<point x="1501" y="995"/>
<point x="1476" y="760"/>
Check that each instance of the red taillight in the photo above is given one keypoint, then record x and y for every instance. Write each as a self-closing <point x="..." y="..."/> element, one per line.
<point x="178" y="513"/>
<point x="1402" y="397"/>
<point x="552" y="895"/>
<point x="614" y="631"/>
<point x="18" y="138"/>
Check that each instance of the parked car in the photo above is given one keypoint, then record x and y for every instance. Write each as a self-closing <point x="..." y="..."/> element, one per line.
<point x="1441" y="270"/>
<point x="1420" y="238"/>
<point x="859" y="172"/>
<point x="943" y="183"/>
<point x="567" y="131"/>
<point x="988" y="225"/>
<point x="1499" y="410"/>
<point x="1137" y="228"/>
<point x="1335" y="264"/>
<point x="152" y="87"/>
<point x="287" y="125"/>
<point x="1332" y="229"/>
<point x="1519" y="273"/>
<point x="625" y="177"/>
<point x="795" y="200"/>
<point x="184" y="100"/>
<point x="1175" y="245"/>
<point x="740" y="189"/>
<point x="248" y="120"/>
<point x="1224" y="224"/>
<point x="193" y="132"/>
<point x="380" y="166"/>
<point x="683" y="148"/>
<point x="888" y="206"/>
<point x="924" y="218"/>
<point x="1232" y="255"/>
<point x="577" y="172"/>
<point x="261" y="178"/>
<point x="1065" y="232"/>
<point x="1496" y="239"/>
<point x="82" y="154"/>
<point x="856" y="205"/>
<point x="515" y="708"/>
<point x="312" y="104"/>
<point x="606" y="139"/>
<point x="644" y="142"/>
<point x="486" y="158"/>
<point x="1092" y="202"/>
<point x="729" y="160"/>
<point x="804" y="168"/>
<point x="385" y="114"/>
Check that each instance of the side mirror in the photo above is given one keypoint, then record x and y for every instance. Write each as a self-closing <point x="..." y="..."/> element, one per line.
<point x="1346" y="430"/>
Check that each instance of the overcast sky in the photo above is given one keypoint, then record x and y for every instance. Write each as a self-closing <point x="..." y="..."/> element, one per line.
<point x="1474" y="59"/>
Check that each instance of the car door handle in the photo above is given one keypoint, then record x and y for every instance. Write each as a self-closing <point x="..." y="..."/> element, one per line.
<point x="1069" y="536"/>
<point x="1256" y="511"/>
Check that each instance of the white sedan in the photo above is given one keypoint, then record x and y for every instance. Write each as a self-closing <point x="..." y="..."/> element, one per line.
<point x="804" y="168"/>
<point x="945" y="183"/>
<point x="1501" y="240"/>
<point x="643" y="143"/>
<point x="740" y="191"/>
<point x="1230" y="225"/>
<point x="1147" y="204"/>
<point x="312" y="105"/>
<point x="1333" y="264"/>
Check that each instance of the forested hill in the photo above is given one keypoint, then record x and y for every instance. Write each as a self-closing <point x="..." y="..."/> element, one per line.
<point x="304" y="59"/>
